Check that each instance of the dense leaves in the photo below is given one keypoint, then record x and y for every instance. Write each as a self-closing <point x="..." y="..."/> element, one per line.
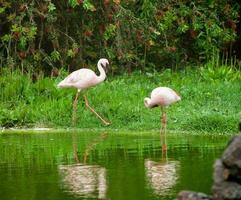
<point x="49" y="34"/>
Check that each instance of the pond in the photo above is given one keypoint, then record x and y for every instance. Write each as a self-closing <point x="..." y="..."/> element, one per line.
<point x="91" y="165"/>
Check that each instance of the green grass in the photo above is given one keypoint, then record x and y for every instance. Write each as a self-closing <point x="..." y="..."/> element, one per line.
<point x="209" y="103"/>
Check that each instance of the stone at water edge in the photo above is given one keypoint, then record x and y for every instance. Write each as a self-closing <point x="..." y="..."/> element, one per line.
<point x="222" y="187"/>
<point x="232" y="158"/>
<point x="227" y="172"/>
<point x="220" y="173"/>
<point x="227" y="191"/>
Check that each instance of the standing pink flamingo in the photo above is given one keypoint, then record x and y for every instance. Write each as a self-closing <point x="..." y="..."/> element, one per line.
<point x="163" y="97"/>
<point x="85" y="78"/>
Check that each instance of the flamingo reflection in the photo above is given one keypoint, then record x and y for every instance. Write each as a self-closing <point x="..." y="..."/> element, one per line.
<point x="162" y="175"/>
<point x="84" y="180"/>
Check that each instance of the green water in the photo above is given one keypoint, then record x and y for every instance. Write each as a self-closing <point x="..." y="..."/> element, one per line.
<point x="111" y="166"/>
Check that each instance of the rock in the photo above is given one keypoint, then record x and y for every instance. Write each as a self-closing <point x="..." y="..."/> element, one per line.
<point x="227" y="172"/>
<point x="224" y="187"/>
<point x="232" y="154"/>
<point x="232" y="159"/>
<point x="221" y="173"/>
<point x="188" y="195"/>
<point x="227" y="191"/>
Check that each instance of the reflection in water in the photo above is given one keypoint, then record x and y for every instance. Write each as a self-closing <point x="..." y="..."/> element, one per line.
<point x="161" y="176"/>
<point x="84" y="180"/>
<point x="92" y="144"/>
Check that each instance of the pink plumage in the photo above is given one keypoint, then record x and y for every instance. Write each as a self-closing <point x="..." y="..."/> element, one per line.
<point x="161" y="96"/>
<point x="85" y="78"/>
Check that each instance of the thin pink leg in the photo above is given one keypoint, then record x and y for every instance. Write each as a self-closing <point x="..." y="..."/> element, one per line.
<point x="92" y="110"/>
<point x="161" y="129"/>
<point x="164" y="146"/>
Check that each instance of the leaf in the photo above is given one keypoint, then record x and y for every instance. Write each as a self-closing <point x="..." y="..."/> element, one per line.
<point x="23" y="42"/>
<point x="88" y="6"/>
<point x="55" y="55"/>
<point x="116" y="2"/>
<point x="15" y="28"/>
<point x="70" y="53"/>
<point x="51" y="7"/>
<point x="2" y="10"/>
<point x="110" y="31"/>
<point x="6" y="38"/>
<point x="73" y="3"/>
<point x="32" y="32"/>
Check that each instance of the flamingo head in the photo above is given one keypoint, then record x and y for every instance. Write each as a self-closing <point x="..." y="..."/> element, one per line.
<point x="147" y="102"/>
<point x="104" y="63"/>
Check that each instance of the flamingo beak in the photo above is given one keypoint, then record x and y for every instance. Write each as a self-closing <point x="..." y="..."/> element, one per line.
<point x="106" y="67"/>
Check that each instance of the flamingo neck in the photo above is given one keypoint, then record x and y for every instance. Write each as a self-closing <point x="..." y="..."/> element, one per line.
<point x="147" y="102"/>
<point x="102" y="75"/>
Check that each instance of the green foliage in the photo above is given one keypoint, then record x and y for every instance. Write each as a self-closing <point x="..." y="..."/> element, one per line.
<point x="110" y="31"/>
<point x="87" y="5"/>
<point x="220" y="70"/>
<point x="51" y="7"/>
<point x="221" y="73"/>
<point x="55" y="55"/>
<point x="133" y="34"/>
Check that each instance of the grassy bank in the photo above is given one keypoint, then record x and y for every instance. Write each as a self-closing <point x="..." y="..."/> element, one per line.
<point x="210" y="101"/>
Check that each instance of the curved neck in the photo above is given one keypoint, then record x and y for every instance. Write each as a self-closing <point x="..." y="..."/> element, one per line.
<point x="102" y="75"/>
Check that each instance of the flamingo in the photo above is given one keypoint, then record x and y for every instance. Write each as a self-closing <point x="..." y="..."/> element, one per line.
<point x="83" y="79"/>
<point x="163" y="97"/>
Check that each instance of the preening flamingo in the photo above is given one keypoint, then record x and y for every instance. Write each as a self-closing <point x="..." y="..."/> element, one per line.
<point x="85" y="78"/>
<point x="163" y="97"/>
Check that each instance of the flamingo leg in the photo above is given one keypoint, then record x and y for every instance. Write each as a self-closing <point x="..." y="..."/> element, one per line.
<point x="92" y="110"/>
<point x="164" y="146"/>
<point x="163" y="129"/>
<point x="75" y="108"/>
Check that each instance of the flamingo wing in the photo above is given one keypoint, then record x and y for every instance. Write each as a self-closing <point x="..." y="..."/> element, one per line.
<point x="78" y="78"/>
<point x="164" y="96"/>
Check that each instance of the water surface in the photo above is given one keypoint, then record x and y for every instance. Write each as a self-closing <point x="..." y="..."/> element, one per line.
<point x="116" y="166"/>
